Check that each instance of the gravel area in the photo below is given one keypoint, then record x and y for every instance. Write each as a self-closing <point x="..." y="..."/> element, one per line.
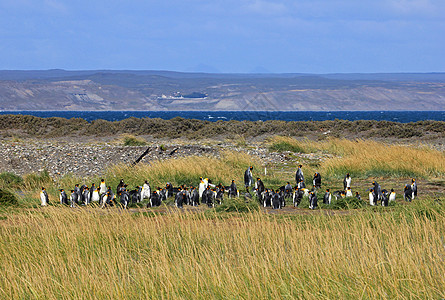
<point x="86" y="159"/>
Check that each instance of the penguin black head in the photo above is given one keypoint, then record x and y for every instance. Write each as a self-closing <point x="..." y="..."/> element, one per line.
<point x="413" y="180"/>
<point x="72" y="191"/>
<point x="77" y="184"/>
<point x="251" y="167"/>
<point x="102" y="180"/>
<point x="43" y="188"/>
<point x="327" y="190"/>
<point x="61" y="190"/>
<point x="300" y="166"/>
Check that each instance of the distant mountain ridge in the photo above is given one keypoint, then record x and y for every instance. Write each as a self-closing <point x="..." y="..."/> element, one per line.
<point x="144" y="90"/>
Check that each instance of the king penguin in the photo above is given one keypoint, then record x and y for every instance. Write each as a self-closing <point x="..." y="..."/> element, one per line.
<point x="44" y="197"/>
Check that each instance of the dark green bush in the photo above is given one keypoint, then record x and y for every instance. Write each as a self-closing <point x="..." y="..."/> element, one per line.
<point x="7" y="198"/>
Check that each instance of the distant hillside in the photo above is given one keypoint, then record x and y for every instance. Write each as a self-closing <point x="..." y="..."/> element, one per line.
<point x="156" y="90"/>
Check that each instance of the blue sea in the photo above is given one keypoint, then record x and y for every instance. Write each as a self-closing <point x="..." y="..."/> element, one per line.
<point x="395" y="116"/>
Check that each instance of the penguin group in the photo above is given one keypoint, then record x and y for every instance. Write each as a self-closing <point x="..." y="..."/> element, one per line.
<point x="209" y="194"/>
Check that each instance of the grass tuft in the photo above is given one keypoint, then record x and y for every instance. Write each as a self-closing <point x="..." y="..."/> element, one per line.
<point x="131" y="140"/>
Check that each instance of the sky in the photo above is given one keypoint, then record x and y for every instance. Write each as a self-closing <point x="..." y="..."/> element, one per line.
<point x="230" y="36"/>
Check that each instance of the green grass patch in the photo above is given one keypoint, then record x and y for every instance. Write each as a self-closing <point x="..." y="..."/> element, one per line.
<point x="238" y="205"/>
<point x="131" y="140"/>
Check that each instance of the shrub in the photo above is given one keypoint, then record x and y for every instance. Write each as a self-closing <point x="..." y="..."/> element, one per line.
<point x="10" y="180"/>
<point x="345" y="203"/>
<point x="237" y="205"/>
<point x="131" y="140"/>
<point x="7" y="198"/>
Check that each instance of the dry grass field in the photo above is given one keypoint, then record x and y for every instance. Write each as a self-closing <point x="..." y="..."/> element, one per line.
<point x="59" y="253"/>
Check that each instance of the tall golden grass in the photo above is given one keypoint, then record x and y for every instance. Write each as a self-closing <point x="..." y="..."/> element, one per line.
<point x="370" y="158"/>
<point x="186" y="170"/>
<point x="58" y="253"/>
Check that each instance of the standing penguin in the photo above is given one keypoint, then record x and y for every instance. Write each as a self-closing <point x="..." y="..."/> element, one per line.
<point x="348" y="192"/>
<point x="201" y="188"/>
<point x="194" y="197"/>
<point x="63" y="197"/>
<point x="385" y="198"/>
<point x="371" y="197"/>
<point x="313" y="200"/>
<point x="408" y="193"/>
<point x="301" y="184"/>
<point x="233" y="191"/>
<point x="299" y="175"/>
<point x="288" y="190"/>
<point x="298" y="196"/>
<point x="146" y="190"/>
<point x="276" y="201"/>
<point x="44" y="197"/>
<point x="120" y="187"/>
<point x="79" y="194"/>
<point x="86" y="196"/>
<point x="248" y="178"/>
<point x="392" y="196"/>
<point x="180" y="199"/>
<point x="327" y="197"/>
<point x="347" y="181"/>
<point x="95" y="196"/>
<point x="414" y="188"/>
<point x="73" y="198"/>
<point x="267" y="201"/>
<point x="92" y="189"/>
<point x="377" y="191"/>
<point x="316" y="181"/>
<point x="103" y="187"/>
<point x="357" y="195"/>
<point x="125" y="198"/>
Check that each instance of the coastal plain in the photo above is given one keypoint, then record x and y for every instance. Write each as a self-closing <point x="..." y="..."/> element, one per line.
<point x="238" y="249"/>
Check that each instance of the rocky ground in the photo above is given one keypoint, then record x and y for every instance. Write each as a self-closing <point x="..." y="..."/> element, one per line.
<point x="92" y="157"/>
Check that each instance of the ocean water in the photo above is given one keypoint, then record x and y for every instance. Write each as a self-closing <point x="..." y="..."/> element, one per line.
<point x="395" y="116"/>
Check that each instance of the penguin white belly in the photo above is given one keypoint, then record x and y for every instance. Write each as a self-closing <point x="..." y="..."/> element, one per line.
<point x="103" y="188"/>
<point x="329" y="198"/>
<point x="392" y="197"/>
<point x="95" y="197"/>
<point x="371" y="199"/>
<point x="348" y="182"/>
<point x="42" y="199"/>
<point x="146" y="191"/>
<point x="201" y="189"/>
<point x="306" y="192"/>
<point x="348" y="193"/>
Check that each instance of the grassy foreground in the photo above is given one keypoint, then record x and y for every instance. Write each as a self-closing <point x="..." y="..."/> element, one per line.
<point x="55" y="253"/>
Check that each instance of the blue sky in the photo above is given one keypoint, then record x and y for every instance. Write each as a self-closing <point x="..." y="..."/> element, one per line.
<point x="241" y="36"/>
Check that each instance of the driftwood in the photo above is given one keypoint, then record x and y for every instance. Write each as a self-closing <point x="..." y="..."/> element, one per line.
<point x="141" y="157"/>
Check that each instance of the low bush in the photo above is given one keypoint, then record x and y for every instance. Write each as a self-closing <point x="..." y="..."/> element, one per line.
<point x="7" y="198"/>
<point x="237" y="205"/>
<point x="10" y="180"/>
<point x="131" y="140"/>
